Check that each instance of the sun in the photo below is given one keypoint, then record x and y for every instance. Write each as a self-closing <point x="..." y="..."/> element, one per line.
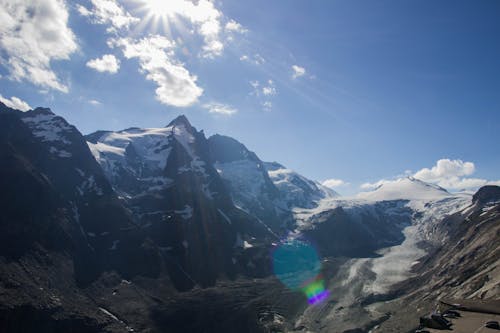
<point x="162" y="8"/>
<point x="160" y="14"/>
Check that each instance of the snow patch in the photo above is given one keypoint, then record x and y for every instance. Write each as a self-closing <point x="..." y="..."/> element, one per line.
<point x="224" y="216"/>
<point x="89" y="185"/>
<point x="115" y="245"/>
<point x="59" y="152"/>
<point x="48" y="127"/>
<point x="185" y="213"/>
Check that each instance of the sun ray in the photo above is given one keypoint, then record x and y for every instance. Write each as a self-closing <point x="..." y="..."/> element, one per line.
<point x="161" y="16"/>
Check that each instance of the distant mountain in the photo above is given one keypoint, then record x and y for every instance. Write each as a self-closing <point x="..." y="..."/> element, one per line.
<point x="408" y="188"/>
<point x="270" y="191"/>
<point x="295" y="189"/>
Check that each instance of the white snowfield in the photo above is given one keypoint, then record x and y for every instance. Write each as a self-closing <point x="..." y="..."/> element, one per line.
<point x="245" y="176"/>
<point x="431" y="202"/>
<point x="50" y="128"/>
<point x="408" y="188"/>
<point x="151" y="144"/>
<point x="295" y="188"/>
<point x="152" y="147"/>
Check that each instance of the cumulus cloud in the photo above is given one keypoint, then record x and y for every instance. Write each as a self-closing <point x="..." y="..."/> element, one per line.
<point x="332" y="183"/>
<point x="446" y="168"/>
<point x="206" y="21"/>
<point x="451" y="174"/>
<point x="33" y="33"/>
<point x="208" y="28"/>
<point x="15" y="103"/>
<point x="108" y="12"/>
<point x="220" y="108"/>
<point x="108" y="63"/>
<point x="298" y="71"/>
<point x="447" y="173"/>
<point x="176" y="85"/>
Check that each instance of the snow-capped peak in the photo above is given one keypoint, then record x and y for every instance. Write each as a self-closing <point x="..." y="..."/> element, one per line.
<point x="407" y="188"/>
<point x="297" y="190"/>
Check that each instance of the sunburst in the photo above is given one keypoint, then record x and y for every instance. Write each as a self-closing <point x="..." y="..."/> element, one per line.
<point x="160" y="15"/>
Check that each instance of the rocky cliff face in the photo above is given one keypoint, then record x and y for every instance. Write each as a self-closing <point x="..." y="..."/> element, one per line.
<point x="248" y="182"/>
<point x="54" y="188"/>
<point x="67" y="223"/>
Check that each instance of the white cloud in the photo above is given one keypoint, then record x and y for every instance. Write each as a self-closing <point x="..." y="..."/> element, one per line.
<point x="372" y="186"/>
<point x="264" y="93"/>
<point x="255" y="85"/>
<point x="83" y="10"/>
<point x="176" y="86"/>
<point x="201" y="17"/>
<point x="108" y="12"/>
<point x="447" y="173"/>
<point x="205" y="20"/>
<point x="270" y="89"/>
<point x="94" y="102"/>
<point x="298" y="71"/>
<point x="451" y="174"/>
<point x="15" y="103"/>
<point x="233" y="26"/>
<point x="108" y="63"/>
<point x="267" y="106"/>
<point x="256" y="59"/>
<point x="32" y="34"/>
<point x="446" y="168"/>
<point x="332" y="183"/>
<point x="220" y="108"/>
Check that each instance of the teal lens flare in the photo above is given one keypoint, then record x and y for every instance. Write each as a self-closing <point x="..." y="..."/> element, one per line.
<point x="296" y="263"/>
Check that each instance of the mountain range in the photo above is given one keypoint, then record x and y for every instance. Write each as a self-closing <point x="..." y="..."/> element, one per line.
<point x="155" y="229"/>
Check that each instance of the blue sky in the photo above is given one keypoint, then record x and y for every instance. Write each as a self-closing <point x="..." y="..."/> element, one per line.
<point x="352" y="91"/>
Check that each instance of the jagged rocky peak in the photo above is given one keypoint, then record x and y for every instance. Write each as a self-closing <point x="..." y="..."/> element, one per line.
<point x="182" y="120"/>
<point x="225" y="149"/>
<point x="487" y="194"/>
<point x="41" y="110"/>
<point x="273" y="166"/>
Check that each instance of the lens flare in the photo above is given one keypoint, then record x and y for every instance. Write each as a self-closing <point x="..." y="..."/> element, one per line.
<point x="296" y="263"/>
<point x="315" y="291"/>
